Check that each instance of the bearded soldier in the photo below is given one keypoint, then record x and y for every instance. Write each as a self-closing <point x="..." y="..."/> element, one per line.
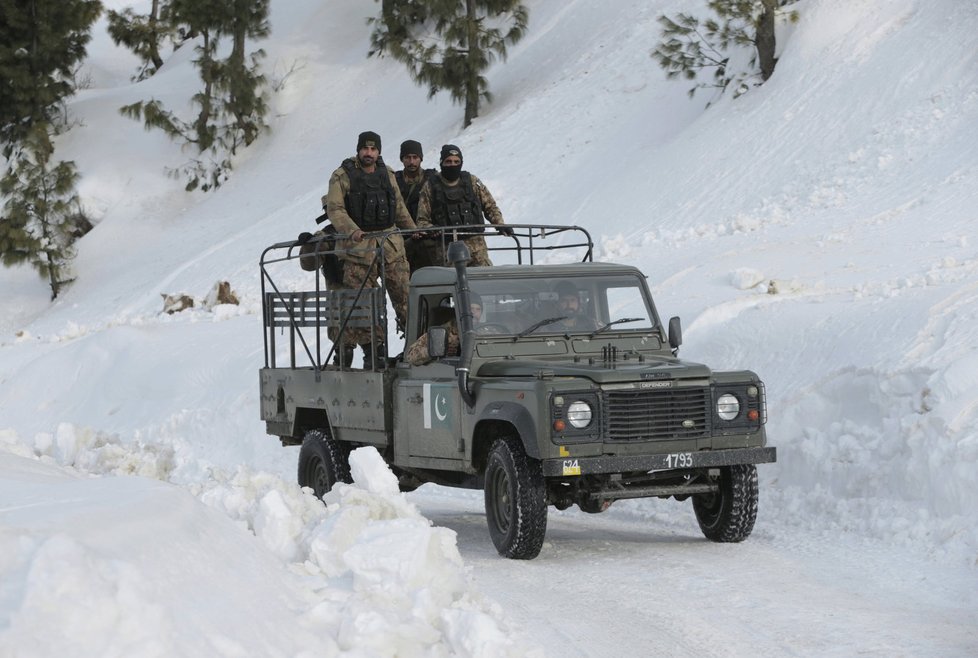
<point x="363" y="198"/>
<point x="569" y="307"/>
<point x="458" y="198"/>
<point x="410" y="180"/>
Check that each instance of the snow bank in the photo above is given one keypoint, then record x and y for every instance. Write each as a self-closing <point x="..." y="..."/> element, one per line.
<point x="365" y="574"/>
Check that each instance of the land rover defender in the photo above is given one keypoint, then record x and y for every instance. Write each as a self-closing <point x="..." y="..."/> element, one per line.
<point x="546" y="401"/>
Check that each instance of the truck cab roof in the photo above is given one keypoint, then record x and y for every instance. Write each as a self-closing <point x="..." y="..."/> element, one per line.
<point x="437" y="276"/>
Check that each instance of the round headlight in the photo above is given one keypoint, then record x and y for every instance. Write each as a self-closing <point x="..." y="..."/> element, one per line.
<point x="579" y="414"/>
<point x="728" y="406"/>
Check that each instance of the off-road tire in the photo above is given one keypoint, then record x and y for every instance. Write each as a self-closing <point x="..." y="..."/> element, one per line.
<point x="516" y="500"/>
<point x="322" y="462"/>
<point x="728" y="514"/>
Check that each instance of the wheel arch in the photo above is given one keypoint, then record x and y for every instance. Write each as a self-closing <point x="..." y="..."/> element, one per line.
<point x="309" y="418"/>
<point x="503" y="419"/>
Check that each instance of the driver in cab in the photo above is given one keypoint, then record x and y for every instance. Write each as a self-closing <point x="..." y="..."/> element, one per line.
<point x="417" y="353"/>
<point x="569" y="306"/>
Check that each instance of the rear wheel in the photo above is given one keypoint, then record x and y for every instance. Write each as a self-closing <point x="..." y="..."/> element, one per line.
<point x="728" y="514"/>
<point x="516" y="503"/>
<point x="322" y="462"/>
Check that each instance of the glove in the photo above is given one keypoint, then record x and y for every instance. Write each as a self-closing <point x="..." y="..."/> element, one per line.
<point x="505" y="230"/>
<point x="303" y="238"/>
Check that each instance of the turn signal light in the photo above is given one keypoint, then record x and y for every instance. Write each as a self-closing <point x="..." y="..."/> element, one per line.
<point x="753" y="415"/>
<point x="559" y="425"/>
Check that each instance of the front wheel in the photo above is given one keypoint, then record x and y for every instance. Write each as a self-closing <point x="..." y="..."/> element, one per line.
<point x="516" y="503"/>
<point x="728" y="514"/>
<point x="322" y="462"/>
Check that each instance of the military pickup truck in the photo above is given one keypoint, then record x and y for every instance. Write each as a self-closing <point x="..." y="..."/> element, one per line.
<point x="546" y="401"/>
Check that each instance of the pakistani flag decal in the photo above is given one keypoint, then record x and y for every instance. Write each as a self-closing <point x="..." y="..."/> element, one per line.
<point x="437" y="405"/>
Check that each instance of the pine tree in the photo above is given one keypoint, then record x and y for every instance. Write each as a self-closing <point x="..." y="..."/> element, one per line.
<point x="144" y="35"/>
<point x="231" y="104"/>
<point x="240" y="79"/>
<point x="448" y="44"/>
<point x="40" y="47"/>
<point x="690" y="44"/>
<point x="40" y="210"/>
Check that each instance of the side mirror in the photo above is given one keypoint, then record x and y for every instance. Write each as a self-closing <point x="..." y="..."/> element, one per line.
<point x="437" y="342"/>
<point x="675" y="333"/>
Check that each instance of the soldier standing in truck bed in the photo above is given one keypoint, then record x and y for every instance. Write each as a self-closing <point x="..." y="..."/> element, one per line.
<point x="410" y="180"/>
<point x="363" y="198"/>
<point x="457" y="198"/>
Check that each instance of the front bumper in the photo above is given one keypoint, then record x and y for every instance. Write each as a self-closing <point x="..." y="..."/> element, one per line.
<point x="662" y="462"/>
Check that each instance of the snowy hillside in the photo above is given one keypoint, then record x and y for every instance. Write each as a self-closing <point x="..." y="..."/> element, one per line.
<point x="820" y="230"/>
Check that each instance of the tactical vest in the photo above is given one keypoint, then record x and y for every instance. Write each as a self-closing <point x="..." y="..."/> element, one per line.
<point x="456" y="205"/>
<point x="411" y="192"/>
<point x="371" y="201"/>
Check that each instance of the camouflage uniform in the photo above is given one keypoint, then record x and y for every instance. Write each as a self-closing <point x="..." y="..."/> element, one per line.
<point x="417" y="353"/>
<point x="358" y="262"/>
<point x="576" y="322"/>
<point x="475" y="243"/>
<point x="418" y="253"/>
<point x="411" y="188"/>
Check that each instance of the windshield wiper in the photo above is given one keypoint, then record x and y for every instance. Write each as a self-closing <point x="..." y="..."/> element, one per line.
<point x="612" y="323"/>
<point x="541" y="323"/>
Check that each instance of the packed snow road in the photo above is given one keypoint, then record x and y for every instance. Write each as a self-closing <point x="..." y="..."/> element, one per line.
<point x="635" y="582"/>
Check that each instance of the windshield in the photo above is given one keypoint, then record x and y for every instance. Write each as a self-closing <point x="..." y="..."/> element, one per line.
<point x="536" y="306"/>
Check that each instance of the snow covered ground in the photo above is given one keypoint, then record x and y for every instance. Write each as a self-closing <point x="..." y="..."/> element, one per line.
<point x="820" y="230"/>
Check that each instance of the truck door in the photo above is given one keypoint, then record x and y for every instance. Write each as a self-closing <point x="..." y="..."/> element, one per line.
<point x="428" y="411"/>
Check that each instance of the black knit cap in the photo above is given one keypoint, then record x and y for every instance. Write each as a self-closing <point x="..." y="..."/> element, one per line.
<point x="450" y="149"/>
<point x="411" y="147"/>
<point x="366" y="137"/>
<point x="565" y="289"/>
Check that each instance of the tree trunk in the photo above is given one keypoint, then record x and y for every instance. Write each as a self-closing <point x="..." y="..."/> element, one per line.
<point x="472" y="72"/>
<point x="42" y="219"/>
<point x="201" y="125"/>
<point x="154" y="44"/>
<point x="239" y="78"/>
<point x="53" y="277"/>
<point x="765" y="41"/>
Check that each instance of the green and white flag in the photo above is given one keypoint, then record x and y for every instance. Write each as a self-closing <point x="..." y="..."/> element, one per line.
<point x="437" y="405"/>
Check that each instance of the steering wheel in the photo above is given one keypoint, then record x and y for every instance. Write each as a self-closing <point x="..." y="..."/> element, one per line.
<point x="492" y="328"/>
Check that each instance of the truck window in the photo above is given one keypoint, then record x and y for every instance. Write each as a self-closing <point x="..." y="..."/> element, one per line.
<point x="626" y="301"/>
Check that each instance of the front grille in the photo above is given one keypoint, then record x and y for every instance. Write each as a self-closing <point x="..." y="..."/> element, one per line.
<point x="657" y="414"/>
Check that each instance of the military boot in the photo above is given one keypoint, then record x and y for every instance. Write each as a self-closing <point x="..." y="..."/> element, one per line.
<point x="372" y="359"/>
<point x="343" y="356"/>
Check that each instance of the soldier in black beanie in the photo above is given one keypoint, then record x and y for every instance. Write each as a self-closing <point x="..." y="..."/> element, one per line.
<point x="364" y="203"/>
<point x="412" y="177"/>
<point x="458" y="198"/>
<point x="410" y="180"/>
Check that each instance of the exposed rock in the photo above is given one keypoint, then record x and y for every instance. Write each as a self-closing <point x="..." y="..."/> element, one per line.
<point x="176" y="303"/>
<point x="221" y="293"/>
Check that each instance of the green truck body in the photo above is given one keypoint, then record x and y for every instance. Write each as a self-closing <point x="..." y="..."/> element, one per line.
<point x="533" y="411"/>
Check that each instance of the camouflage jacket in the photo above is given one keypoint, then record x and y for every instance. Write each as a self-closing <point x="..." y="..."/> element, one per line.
<point x="577" y="322"/>
<point x="417" y="353"/>
<point x="335" y="204"/>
